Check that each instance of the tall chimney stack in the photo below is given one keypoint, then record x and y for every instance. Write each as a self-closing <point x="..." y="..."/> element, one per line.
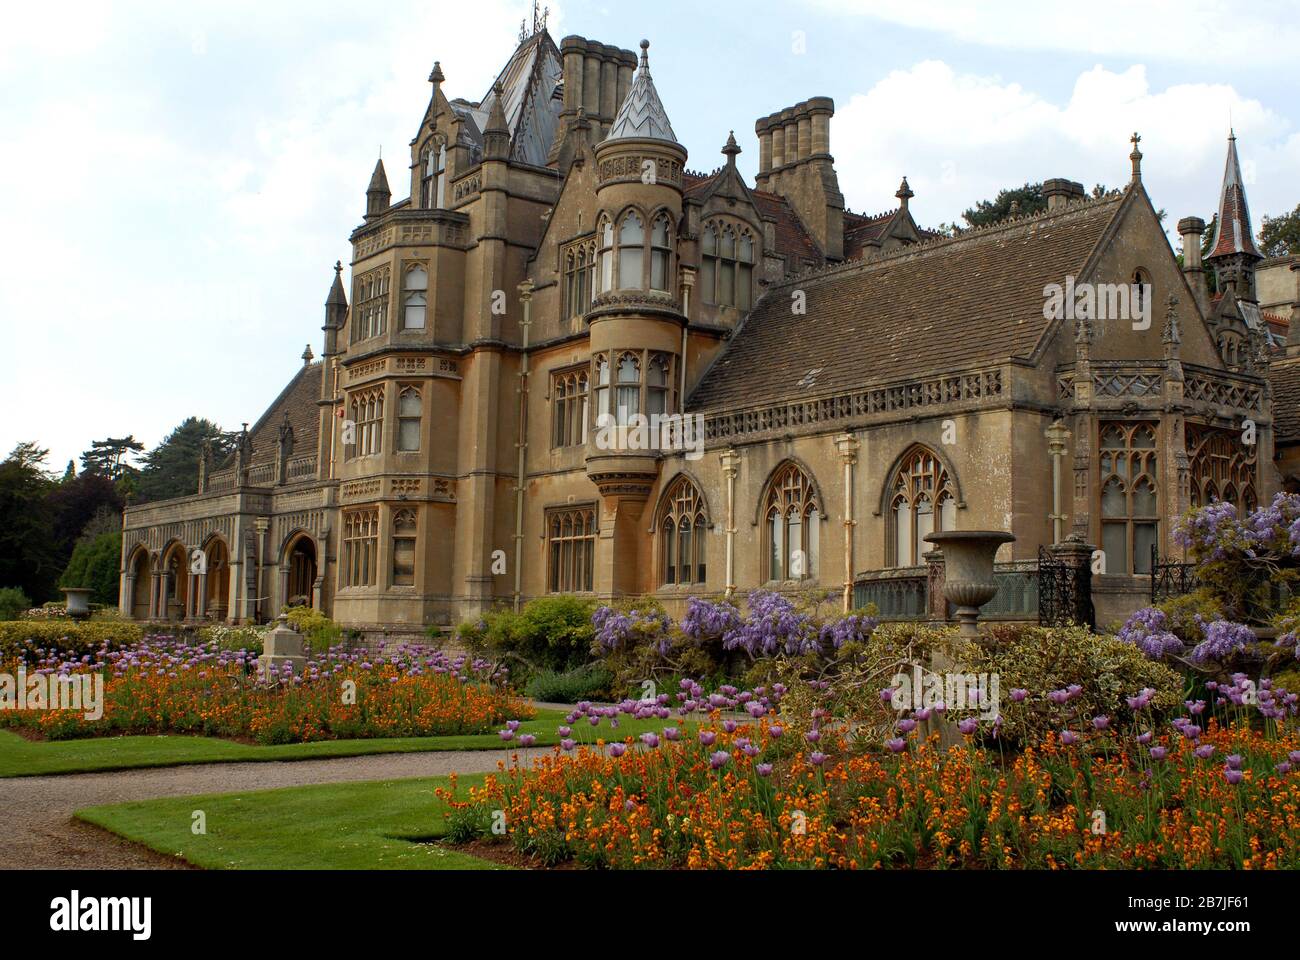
<point x="1192" y="230"/>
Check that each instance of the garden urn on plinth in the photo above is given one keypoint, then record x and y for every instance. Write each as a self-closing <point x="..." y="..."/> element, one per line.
<point x="282" y="645"/>
<point x="968" y="571"/>
<point x="78" y="602"/>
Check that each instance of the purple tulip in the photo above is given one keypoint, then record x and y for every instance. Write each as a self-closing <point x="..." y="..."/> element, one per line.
<point x="708" y="737"/>
<point x="906" y="725"/>
<point x="897" y="745"/>
<point x="617" y="750"/>
<point x="512" y="725"/>
<point x="527" y="739"/>
<point x="968" y="726"/>
<point x="1068" y="738"/>
<point x="763" y="769"/>
<point x="719" y="760"/>
<point x="1018" y="695"/>
<point x="1205" y="751"/>
<point x="775" y="731"/>
<point x="817" y="758"/>
<point x="672" y="733"/>
<point x="1101" y="723"/>
<point x="564" y="731"/>
<point x="1145" y="738"/>
<point x="1233" y="776"/>
<point x="1159" y="753"/>
<point x="506" y="734"/>
<point x="1233" y="761"/>
<point x="567" y="745"/>
<point x="1283" y="768"/>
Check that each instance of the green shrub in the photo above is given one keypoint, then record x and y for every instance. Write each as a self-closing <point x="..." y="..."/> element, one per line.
<point x="234" y="638"/>
<point x="1040" y="660"/>
<point x="95" y="563"/>
<point x="550" y="633"/>
<point x="20" y="636"/>
<point x="13" y="603"/>
<point x="588" y="682"/>
<point x="1181" y="613"/>
<point x="319" y="631"/>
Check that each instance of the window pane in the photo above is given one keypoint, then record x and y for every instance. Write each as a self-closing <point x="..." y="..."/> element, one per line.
<point x="417" y="279"/>
<point x="707" y="273"/>
<point x="902" y="534"/>
<point x="727" y="283"/>
<point x="659" y="236"/>
<point x="631" y="230"/>
<point x="629" y="268"/>
<point x="408" y="435"/>
<point x="924" y="526"/>
<point x="670" y="553"/>
<point x="1144" y="538"/>
<point x="408" y="404"/>
<point x="684" y="551"/>
<point x="814" y="544"/>
<point x="744" y="286"/>
<point x="659" y="270"/>
<point x="1144" y="499"/>
<point x="1114" y="540"/>
<point x="403" y="561"/>
<point x="797" y="565"/>
<point x="775" y="529"/>
<point x="1113" y="501"/>
<point x="948" y="514"/>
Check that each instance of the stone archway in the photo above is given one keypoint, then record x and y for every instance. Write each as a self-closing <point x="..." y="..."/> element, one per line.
<point x="141" y="576"/>
<point x="175" y="583"/>
<point x="216" y="604"/>
<point x="300" y="561"/>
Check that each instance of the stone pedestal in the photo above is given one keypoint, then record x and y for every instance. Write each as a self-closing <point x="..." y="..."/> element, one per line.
<point x="283" y="645"/>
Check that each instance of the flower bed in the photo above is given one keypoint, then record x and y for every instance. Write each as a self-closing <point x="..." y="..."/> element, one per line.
<point x="1210" y="790"/>
<point x="161" y="685"/>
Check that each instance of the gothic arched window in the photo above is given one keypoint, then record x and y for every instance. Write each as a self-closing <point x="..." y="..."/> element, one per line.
<point x="631" y="241"/>
<point x="404" y="527"/>
<point x="682" y="526"/>
<point x="415" y="287"/>
<point x="660" y="254"/>
<point x="579" y="270"/>
<point x="606" y="278"/>
<point x="1221" y="468"/>
<point x="627" y="398"/>
<point x="409" y="414"/>
<point x="435" y="176"/>
<point x="727" y="266"/>
<point x="922" y="500"/>
<point x="1129" y="484"/>
<point x="791" y="526"/>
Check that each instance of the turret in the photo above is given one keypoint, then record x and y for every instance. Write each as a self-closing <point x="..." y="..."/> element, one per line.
<point x="378" y="196"/>
<point x="1233" y="254"/>
<point x="336" y="312"/>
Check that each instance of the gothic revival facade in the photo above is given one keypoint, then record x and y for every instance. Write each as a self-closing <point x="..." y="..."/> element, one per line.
<point x="831" y="386"/>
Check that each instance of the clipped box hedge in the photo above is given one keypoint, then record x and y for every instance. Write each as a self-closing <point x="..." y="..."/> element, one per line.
<point x="19" y="636"/>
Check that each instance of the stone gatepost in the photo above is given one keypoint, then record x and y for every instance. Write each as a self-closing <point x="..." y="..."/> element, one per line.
<point x="283" y="645"/>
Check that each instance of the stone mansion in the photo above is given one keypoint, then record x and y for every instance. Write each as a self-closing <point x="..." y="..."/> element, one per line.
<point x="831" y="386"/>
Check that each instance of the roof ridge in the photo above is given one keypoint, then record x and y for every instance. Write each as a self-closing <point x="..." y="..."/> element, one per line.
<point x="923" y="246"/>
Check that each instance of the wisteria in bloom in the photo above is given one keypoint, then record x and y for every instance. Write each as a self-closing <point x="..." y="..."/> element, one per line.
<point x="616" y="630"/>
<point x="1212" y="532"/>
<point x="706" y="620"/>
<point x="773" y="626"/>
<point x="854" y="628"/>
<point x="1148" y="630"/>
<point x="1222" y="639"/>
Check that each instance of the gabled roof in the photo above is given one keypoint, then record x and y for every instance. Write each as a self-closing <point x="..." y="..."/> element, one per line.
<point x="297" y="401"/>
<point x="642" y="115"/>
<point x="934" y="307"/>
<point x="1233" y="233"/>
<point x="793" y="242"/>
<point x="1284" y="376"/>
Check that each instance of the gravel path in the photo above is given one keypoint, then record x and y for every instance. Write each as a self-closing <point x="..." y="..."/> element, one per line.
<point x="36" y="812"/>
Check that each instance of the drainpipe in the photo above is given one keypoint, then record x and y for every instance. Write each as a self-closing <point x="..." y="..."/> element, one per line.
<point x="688" y="281"/>
<point x="848" y="447"/>
<point x="521" y="441"/>
<point x="730" y="467"/>
<point x="334" y="411"/>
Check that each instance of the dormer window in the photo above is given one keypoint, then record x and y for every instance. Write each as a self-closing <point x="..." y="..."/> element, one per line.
<point x="435" y="176"/>
<point x="727" y="266"/>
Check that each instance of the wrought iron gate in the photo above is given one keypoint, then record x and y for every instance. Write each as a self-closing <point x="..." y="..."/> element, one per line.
<point x="1064" y="591"/>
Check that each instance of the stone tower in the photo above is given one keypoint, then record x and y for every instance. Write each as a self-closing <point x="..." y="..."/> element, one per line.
<point x="1233" y="255"/>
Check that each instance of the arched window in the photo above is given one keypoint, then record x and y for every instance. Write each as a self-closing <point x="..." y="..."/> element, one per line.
<point x="409" y="410"/>
<point x="571" y="550"/>
<point x="631" y="240"/>
<point x="660" y="253"/>
<point x="627" y="399"/>
<point x="416" y="286"/>
<point x="922" y="500"/>
<point x="1141" y="297"/>
<point x="370" y="305"/>
<point x="366" y="411"/>
<point x="602" y="386"/>
<point x="404" y="527"/>
<point x="360" y="548"/>
<point x="579" y="270"/>
<point x="569" y="408"/>
<point x="1129" y="484"/>
<point x="606" y="256"/>
<point x="791" y="526"/>
<point x="435" y="176"/>
<point x="1221" y="468"/>
<point x="657" y="384"/>
<point x="682" y="526"/>
<point x="727" y="266"/>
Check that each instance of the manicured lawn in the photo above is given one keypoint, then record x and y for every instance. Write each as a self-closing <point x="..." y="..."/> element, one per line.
<point x="21" y="758"/>
<point x="346" y="826"/>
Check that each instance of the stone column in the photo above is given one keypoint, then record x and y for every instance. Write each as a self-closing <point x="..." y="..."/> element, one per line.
<point x="127" y="601"/>
<point x="1057" y="445"/>
<point x="936" y="603"/>
<point x="848" y="447"/>
<point x="730" y="467"/>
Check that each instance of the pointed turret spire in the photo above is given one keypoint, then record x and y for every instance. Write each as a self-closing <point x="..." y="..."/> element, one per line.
<point x="731" y="149"/>
<point x="337" y="297"/>
<point x="378" y="195"/>
<point x="1233" y="234"/>
<point x="1136" y="157"/>
<point x="1233" y="253"/>
<point x="904" y="194"/>
<point x="435" y="76"/>
<point x="496" y="136"/>
<point x="642" y="115"/>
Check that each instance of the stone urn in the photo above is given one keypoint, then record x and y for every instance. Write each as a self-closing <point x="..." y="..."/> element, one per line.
<point x="78" y="602"/>
<point x="968" y="571"/>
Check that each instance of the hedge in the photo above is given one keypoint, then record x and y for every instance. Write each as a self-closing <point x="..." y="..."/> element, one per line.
<point x="20" y="636"/>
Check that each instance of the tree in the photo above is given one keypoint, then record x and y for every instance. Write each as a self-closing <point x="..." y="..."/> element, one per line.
<point x="76" y="502"/>
<point x="95" y="563"/>
<point x="1280" y="236"/>
<point x="1030" y="197"/>
<point x="29" y="556"/>
<point x="111" y="457"/>
<point x="171" y="469"/>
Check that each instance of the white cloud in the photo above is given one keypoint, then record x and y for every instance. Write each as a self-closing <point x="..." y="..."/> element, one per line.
<point x="960" y="138"/>
<point x="1223" y="32"/>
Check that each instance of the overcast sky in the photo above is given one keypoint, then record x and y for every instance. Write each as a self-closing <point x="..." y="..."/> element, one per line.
<point x="177" y="180"/>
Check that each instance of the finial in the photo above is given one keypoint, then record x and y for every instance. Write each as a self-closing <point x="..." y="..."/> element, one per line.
<point x="436" y="76"/>
<point x="307" y="356"/>
<point x="731" y="148"/>
<point x="645" y="57"/>
<point x="338" y="266"/>
<point x="1136" y="157"/>
<point x="904" y="193"/>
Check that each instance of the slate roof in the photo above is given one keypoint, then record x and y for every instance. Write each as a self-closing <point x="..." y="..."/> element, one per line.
<point x="528" y="85"/>
<point x="298" y="399"/>
<point x="934" y="307"/>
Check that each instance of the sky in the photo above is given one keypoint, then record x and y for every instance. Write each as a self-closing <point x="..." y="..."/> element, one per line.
<point x="177" y="180"/>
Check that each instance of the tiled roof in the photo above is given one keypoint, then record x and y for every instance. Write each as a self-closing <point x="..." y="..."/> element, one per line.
<point x="792" y="241"/>
<point x="1284" y="375"/>
<point x="859" y="230"/>
<point x="935" y="307"/>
